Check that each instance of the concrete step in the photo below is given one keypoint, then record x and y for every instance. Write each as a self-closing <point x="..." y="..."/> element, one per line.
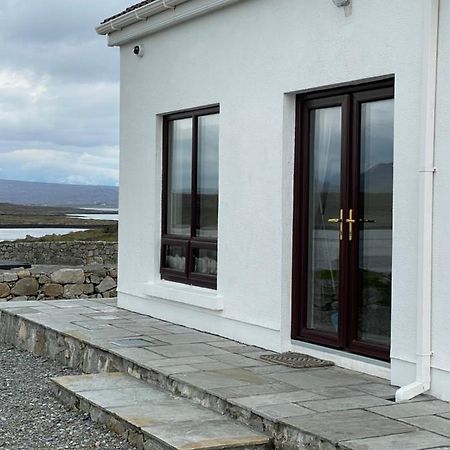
<point x="151" y="418"/>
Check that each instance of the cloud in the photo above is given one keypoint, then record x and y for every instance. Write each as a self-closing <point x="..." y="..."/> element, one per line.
<point x="59" y="92"/>
<point x="90" y="166"/>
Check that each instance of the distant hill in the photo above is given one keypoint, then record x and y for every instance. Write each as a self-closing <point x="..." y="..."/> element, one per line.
<point x="53" y="194"/>
<point x="378" y="179"/>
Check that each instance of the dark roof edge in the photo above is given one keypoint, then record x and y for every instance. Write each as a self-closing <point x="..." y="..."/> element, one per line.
<point x="127" y="10"/>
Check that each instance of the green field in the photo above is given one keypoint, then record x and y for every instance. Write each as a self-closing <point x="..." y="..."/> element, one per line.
<point x="31" y="216"/>
<point x="108" y="233"/>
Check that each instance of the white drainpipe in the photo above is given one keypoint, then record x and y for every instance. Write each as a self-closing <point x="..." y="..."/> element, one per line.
<point x="425" y="211"/>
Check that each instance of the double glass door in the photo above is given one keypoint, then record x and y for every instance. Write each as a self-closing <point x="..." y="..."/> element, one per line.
<point x="343" y="219"/>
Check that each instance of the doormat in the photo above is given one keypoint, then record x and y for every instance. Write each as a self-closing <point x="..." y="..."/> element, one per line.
<point x="296" y="360"/>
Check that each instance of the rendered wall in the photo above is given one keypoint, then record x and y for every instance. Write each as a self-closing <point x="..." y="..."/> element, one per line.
<point x="252" y="58"/>
<point x="441" y="217"/>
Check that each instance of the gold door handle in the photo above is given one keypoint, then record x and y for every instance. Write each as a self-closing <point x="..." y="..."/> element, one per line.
<point x="340" y="221"/>
<point x="350" y="222"/>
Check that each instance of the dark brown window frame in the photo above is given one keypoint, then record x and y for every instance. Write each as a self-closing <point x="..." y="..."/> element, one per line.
<point x="192" y="242"/>
<point x="347" y="96"/>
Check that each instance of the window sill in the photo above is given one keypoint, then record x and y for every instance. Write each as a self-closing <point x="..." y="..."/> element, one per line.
<point x="182" y="293"/>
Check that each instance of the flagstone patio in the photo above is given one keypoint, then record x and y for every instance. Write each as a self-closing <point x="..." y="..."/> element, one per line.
<point x="321" y="408"/>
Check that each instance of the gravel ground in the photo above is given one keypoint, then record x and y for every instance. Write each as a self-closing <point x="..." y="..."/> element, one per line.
<point x="31" y="418"/>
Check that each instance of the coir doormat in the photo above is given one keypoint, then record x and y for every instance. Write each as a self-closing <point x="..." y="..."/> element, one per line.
<point x="296" y="360"/>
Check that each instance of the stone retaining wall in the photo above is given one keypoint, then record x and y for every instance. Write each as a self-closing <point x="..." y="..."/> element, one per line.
<point x="67" y="253"/>
<point x="46" y="283"/>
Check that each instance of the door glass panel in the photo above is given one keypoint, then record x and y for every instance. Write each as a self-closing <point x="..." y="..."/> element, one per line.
<point x="375" y="221"/>
<point x="324" y="203"/>
<point x="179" y="177"/>
<point x="208" y="175"/>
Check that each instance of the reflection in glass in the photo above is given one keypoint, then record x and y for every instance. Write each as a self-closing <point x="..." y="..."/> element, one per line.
<point x="205" y="261"/>
<point x="174" y="257"/>
<point x="208" y="175"/>
<point x="179" y="177"/>
<point x="324" y="203"/>
<point x="375" y="221"/>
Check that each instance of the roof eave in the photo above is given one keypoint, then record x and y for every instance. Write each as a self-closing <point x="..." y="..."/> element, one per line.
<point x="155" y="17"/>
<point x="137" y="15"/>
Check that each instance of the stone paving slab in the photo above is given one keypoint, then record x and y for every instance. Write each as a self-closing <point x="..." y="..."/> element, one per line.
<point x="411" y="409"/>
<point x="340" y="404"/>
<point x="314" y="378"/>
<point x="97" y="382"/>
<point x="166" y="411"/>
<point x="182" y="350"/>
<point x="253" y="402"/>
<point x="223" y="375"/>
<point x="215" y="379"/>
<point x="280" y="411"/>
<point x="153" y="418"/>
<point x="190" y="338"/>
<point x="172" y="370"/>
<point x="348" y="425"/>
<point x="436" y="424"/>
<point x="165" y="362"/>
<point x="339" y="392"/>
<point x="137" y="354"/>
<point x="256" y="390"/>
<point x="378" y="389"/>
<point x="417" y="440"/>
<point x="91" y="324"/>
<point x="239" y="360"/>
<point x="124" y="396"/>
<point x="217" y="434"/>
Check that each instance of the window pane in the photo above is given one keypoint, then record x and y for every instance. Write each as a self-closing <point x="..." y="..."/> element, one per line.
<point x="205" y="261"/>
<point x="375" y="221"/>
<point x="179" y="173"/>
<point x="208" y="175"/>
<point x="174" y="257"/>
<point x="324" y="204"/>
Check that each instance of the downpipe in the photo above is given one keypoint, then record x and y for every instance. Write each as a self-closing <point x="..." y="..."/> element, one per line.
<point x="422" y="382"/>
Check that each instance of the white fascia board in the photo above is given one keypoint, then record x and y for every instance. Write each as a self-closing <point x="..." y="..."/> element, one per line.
<point x="156" y="16"/>
<point x="137" y="15"/>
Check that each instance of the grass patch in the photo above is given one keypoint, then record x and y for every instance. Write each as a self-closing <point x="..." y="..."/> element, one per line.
<point x="107" y="233"/>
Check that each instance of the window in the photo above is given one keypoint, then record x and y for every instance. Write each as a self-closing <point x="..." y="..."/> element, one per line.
<point x="190" y="197"/>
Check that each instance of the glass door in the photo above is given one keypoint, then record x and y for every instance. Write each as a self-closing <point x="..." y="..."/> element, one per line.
<point x="371" y="249"/>
<point x="343" y="220"/>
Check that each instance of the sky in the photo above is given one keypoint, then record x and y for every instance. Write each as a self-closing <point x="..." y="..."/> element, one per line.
<point x="59" y="92"/>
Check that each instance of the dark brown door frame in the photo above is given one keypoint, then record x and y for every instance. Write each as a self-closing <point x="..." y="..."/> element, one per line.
<point x="301" y="197"/>
<point x="349" y="98"/>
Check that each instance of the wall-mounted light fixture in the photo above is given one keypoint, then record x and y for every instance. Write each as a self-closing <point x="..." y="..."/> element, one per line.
<point x="341" y="2"/>
<point x="138" y="50"/>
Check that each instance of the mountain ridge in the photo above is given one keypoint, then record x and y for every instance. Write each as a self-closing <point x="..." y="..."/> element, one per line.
<point x="54" y="194"/>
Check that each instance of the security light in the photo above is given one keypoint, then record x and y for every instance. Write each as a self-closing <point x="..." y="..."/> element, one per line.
<point x="138" y="50"/>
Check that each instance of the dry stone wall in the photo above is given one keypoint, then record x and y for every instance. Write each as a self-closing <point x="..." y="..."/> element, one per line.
<point x="70" y="253"/>
<point x="46" y="283"/>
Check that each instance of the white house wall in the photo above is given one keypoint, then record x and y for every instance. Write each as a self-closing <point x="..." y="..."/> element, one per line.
<point x="251" y="58"/>
<point x="441" y="239"/>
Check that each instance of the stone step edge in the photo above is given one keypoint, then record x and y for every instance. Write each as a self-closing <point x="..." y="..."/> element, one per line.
<point x="72" y="400"/>
<point x="131" y="433"/>
<point x="91" y="358"/>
